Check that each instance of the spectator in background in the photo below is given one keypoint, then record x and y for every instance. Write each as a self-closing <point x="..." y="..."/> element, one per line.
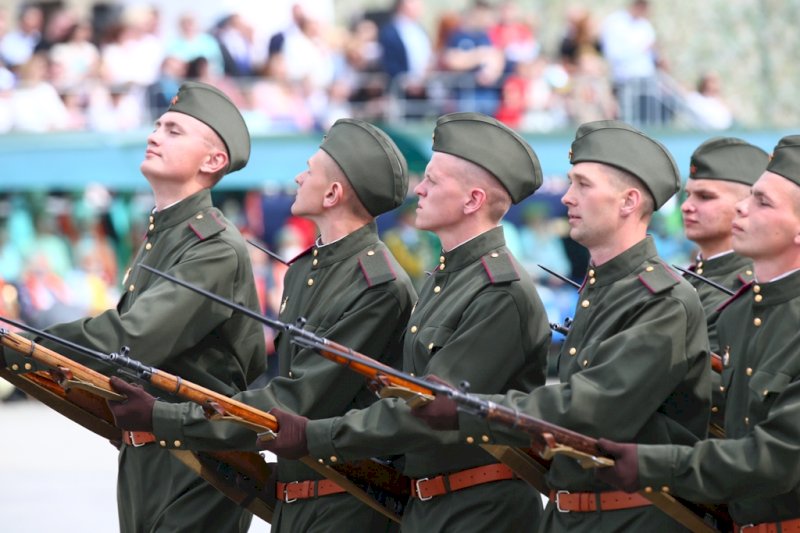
<point x="515" y="34"/>
<point x="580" y="36"/>
<point x="532" y="99"/>
<point x="200" y="69"/>
<point x="469" y="52"/>
<point x="56" y="30"/>
<point x="415" y="250"/>
<point x="235" y="38"/>
<point x="78" y="56"/>
<point x="708" y="109"/>
<point x="590" y="97"/>
<point x="277" y="105"/>
<point x="540" y="236"/>
<point x="406" y="47"/>
<point x="17" y="45"/>
<point x="35" y="104"/>
<point x="309" y="57"/>
<point x="360" y="86"/>
<point x="114" y="108"/>
<point x="191" y="43"/>
<point x="160" y="92"/>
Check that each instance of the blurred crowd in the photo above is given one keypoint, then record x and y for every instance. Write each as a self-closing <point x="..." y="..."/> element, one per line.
<point x="119" y="71"/>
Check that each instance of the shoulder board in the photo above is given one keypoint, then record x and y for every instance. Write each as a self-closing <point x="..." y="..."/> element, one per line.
<point x="658" y="278"/>
<point x="206" y="225"/>
<point x="301" y="254"/>
<point x="376" y="267"/>
<point x="742" y="290"/>
<point x="499" y="267"/>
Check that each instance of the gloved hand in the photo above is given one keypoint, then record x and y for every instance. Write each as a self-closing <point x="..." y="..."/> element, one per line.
<point x="625" y="472"/>
<point x="291" y="441"/>
<point x="442" y="412"/>
<point x="135" y="412"/>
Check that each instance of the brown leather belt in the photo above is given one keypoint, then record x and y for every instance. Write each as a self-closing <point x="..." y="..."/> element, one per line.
<point x="303" y="490"/>
<point x="786" y="526"/>
<point x="427" y="488"/>
<point x="584" y="502"/>
<point x="137" y="438"/>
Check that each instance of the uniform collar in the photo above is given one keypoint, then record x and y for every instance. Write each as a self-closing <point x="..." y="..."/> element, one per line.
<point x="624" y="264"/>
<point x="189" y="207"/>
<point x="720" y="265"/>
<point x="467" y="253"/>
<point x="345" y="247"/>
<point x="776" y="292"/>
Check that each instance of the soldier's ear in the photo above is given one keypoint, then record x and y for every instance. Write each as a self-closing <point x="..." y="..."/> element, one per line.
<point x="476" y="197"/>
<point x="215" y="162"/>
<point x="333" y="194"/>
<point x="630" y="201"/>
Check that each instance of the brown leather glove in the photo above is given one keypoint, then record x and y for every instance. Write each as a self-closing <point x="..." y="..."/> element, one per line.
<point x="291" y="441"/>
<point x="442" y="412"/>
<point x="135" y="412"/>
<point x="625" y="472"/>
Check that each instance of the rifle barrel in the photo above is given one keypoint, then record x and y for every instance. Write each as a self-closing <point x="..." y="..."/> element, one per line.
<point x="565" y="279"/>
<point x="704" y="279"/>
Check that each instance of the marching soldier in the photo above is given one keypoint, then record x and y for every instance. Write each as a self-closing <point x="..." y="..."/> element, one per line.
<point x="350" y="289"/>
<point x="199" y="139"/>
<point x="721" y="172"/>
<point x="635" y="362"/>
<point x="756" y="469"/>
<point x="478" y="319"/>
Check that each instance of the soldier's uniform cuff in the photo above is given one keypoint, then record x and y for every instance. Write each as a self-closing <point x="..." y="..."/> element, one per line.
<point x="474" y="429"/>
<point x="168" y="423"/>
<point x="656" y="466"/>
<point x="319" y="437"/>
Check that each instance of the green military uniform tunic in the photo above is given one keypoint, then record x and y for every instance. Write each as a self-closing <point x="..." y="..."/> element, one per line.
<point x="183" y="333"/>
<point x="351" y="291"/>
<point x="732" y="271"/>
<point x="634" y="367"/>
<point x="756" y="468"/>
<point x="478" y="319"/>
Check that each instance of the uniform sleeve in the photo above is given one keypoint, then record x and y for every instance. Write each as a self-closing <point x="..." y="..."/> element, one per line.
<point x="166" y="319"/>
<point x="473" y="353"/>
<point x="765" y="462"/>
<point x="624" y="379"/>
<point x="318" y="386"/>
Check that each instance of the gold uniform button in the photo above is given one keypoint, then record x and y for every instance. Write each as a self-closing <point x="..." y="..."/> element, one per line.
<point x="722" y="388"/>
<point x="151" y="218"/>
<point x="748" y="272"/>
<point x="758" y="298"/>
<point x="441" y="267"/>
<point x="199" y="216"/>
<point x="766" y="392"/>
<point x="177" y="443"/>
<point x="315" y="252"/>
<point x="413" y="329"/>
<point x="648" y="489"/>
<point x="334" y="458"/>
<point x="747" y="420"/>
<point x="151" y="227"/>
<point x="441" y="259"/>
<point x="430" y="346"/>
<point x="310" y="281"/>
<point x="28" y="366"/>
<point x="591" y="273"/>
<point x="485" y="438"/>
<point x="756" y="322"/>
<point x="148" y="246"/>
<point x="715" y="409"/>
<point x="699" y="270"/>
<point x="495" y="254"/>
<point x="314" y="262"/>
<point x="592" y="281"/>
<point x="585" y="304"/>
<point x="756" y="288"/>
<point x="649" y="268"/>
<point x="470" y="440"/>
<point x="665" y="489"/>
<point x="749" y="371"/>
<point x="321" y="461"/>
<point x="573" y="350"/>
<point x="585" y="363"/>
<point x="291" y="375"/>
<point x="371" y="252"/>
<point x="437" y="289"/>
<point x="700" y="264"/>
<point x="131" y="287"/>
<point x="162" y="443"/>
<point x="15" y="366"/>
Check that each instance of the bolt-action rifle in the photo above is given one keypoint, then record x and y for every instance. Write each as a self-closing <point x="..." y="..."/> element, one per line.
<point x="547" y="440"/>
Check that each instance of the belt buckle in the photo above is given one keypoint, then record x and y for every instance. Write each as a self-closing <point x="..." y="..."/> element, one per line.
<point x="747" y="526"/>
<point x="419" y="494"/>
<point x="133" y="440"/>
<point x="558" y="504"/>
<point x="286" y="492"/>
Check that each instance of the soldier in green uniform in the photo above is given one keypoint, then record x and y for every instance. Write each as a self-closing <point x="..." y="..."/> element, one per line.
<point x="757" y="468"/>
<point x="199" y="139"/>
<point x="721" y="172"/>
<point x="635" y="362"/>
<point x="478" y="319"/>
<point x="350" y="289"/>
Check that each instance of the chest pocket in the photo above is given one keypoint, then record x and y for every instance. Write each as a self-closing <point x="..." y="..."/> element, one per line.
<point x="765" y="387"/>
<point x="431" y="339"/>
